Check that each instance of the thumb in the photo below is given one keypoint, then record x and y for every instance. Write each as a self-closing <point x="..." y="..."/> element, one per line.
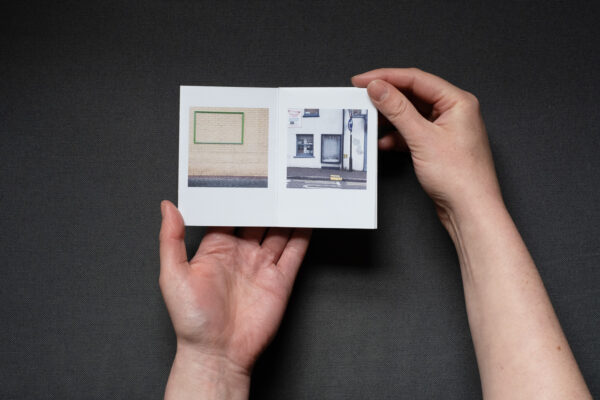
<point x="398" y="110"/>
<point x="173" y="256"/>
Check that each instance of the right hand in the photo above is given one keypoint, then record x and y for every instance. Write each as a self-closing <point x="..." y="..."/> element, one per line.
<point x="444" y="132"/>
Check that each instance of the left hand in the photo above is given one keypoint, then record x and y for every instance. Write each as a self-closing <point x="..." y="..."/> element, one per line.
<point x="227" y="302"/>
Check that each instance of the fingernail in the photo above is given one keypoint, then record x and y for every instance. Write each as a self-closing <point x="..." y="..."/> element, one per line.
<point x="162" y="208"/>
<point x="377" y="90"/>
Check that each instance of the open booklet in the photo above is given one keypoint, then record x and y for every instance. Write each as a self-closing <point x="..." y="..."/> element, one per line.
<point x="294" y="157"/>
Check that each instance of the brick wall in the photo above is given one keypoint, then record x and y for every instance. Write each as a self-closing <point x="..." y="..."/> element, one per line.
<point x="215" y="147"/>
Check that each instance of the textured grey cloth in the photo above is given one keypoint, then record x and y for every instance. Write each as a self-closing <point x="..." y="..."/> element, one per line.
<point x="89" y="121"/>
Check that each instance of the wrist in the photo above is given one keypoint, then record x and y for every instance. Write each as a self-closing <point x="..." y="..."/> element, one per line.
<point x="471" y="209"/>
<point x="480" y="230"/>
<point x="196" y="374"/>
<point x="470" y="220"/>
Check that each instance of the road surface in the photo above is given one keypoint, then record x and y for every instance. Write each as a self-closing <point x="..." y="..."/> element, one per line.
<point x="324" y="184"/>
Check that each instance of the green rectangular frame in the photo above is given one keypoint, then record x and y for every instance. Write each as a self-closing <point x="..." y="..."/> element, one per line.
<point x="219" y="112"/>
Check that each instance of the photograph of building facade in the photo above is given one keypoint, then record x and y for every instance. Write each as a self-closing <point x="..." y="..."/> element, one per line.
<point x="327" y="148"/>
<point x="228" y="147"/>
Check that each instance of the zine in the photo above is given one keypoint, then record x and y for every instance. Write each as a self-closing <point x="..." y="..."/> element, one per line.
<point x="294" y="157"/>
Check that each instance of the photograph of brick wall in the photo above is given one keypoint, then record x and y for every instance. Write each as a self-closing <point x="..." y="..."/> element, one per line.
<point x="228" y="147"/>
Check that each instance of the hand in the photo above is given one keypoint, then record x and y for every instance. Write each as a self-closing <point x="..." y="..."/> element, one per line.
<point x="443" y="129"/>
<point x="520" y="347"/>
<point x="227" y="302"/>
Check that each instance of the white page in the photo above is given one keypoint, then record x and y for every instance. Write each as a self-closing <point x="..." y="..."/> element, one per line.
<point x="238" y="146"/>
<point x="321" y="204"/>
<point x="227" y="206"/>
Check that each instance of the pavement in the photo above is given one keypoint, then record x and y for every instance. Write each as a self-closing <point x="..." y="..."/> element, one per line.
<point x="297" y="178"/>
<point x="227" y="181"/>
<point x="321" y="174"/>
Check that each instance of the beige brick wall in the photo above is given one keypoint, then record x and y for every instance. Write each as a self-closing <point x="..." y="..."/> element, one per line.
<point x="247" y="159"/>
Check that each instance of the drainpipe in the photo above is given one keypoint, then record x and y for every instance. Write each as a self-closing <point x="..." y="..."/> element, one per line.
<point x="365" y="141"/>
<point x="342" y="144"/>
<point x="350" y="154"/>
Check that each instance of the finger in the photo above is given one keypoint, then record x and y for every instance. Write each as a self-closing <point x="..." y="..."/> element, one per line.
<point x="294" y="252"/>
<point x="252" y="234"/>
<point x="275" y="241"/>
<point x="382" y="123"/>
<point x="392" y="141"/>
<point x="398" y="110"/>
<point x="173" y="257"/>
<point x="385" y="126"/>
<point x="428" y="87"/>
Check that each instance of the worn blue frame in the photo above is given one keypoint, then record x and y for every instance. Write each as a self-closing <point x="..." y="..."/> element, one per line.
<point x="303" y="155"/>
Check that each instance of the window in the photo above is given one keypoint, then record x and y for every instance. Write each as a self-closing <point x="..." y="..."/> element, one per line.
<point x="311" y="112"/>
<point x="304" y="146"/>
<point x="331" y="149"/>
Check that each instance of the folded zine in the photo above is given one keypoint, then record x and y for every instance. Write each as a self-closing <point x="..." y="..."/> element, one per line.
<point x="295" y="157"/>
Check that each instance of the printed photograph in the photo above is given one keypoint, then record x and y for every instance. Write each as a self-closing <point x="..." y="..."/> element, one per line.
<point x="327" y="149"/>
<point x="228" y="147"/>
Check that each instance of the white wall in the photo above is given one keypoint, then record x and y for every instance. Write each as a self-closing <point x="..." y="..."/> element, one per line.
<point x="358" y="144"/>
<point x="329" y="121"/>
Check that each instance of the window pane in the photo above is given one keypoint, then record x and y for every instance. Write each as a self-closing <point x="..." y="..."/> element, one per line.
<point x="331" y="148"/>
<point x="304" y="145"/>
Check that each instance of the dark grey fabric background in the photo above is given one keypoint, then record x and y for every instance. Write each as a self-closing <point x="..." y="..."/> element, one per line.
<point x="89" y="123"/>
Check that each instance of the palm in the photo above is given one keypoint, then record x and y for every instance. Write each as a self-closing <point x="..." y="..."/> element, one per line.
<point x="230" y="298"/>
<point x="242" y="293"/>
